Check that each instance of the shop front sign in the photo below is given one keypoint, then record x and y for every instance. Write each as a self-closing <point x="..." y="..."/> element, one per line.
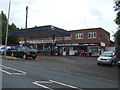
<point x="77" y="44"/>
<point x="36" y="41"/>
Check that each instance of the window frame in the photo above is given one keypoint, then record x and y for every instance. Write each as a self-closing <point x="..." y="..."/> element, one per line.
<point x="92" y="35"/>
<point x="79" y="36"/>
<point x="58" y="38"/>
<point x="68" y="38"/>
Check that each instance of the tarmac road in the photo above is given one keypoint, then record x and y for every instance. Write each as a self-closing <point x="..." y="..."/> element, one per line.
<point x="76" y="65"/>
<point x="19" y="74"/>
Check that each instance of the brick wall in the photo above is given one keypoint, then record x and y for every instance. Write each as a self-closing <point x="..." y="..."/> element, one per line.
<point x="102" y="36"/>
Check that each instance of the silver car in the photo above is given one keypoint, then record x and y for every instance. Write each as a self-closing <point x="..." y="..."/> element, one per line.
<point x="2" y="49"/>
<point x="118" y="64"/>
<point x="107" y="57"/>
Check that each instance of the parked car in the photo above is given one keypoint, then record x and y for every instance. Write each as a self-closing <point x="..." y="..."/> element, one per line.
<point x="48" y="51"/>
<point x="118" y="64"/>
<point x="3" y="48"/>
<point x="10" y="51"/>
<point x="107" y="57"/>
<point x="24" y="52"/>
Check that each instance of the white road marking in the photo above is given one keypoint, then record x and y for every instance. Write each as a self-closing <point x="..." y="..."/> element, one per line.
<point x="9" y="68"/>
<point x="5" y="67"/>
<point x="36" y="83"/>
<point x="6" y="72"/>
<point x="43" y="82"/>
<point x="39" y="83"/>
<point x="64" y="84"/>
<point x="21" y="72"/>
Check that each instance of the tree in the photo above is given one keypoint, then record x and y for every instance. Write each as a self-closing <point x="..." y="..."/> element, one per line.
<point x="12" y="40"/>
<point x="117" y="21"/>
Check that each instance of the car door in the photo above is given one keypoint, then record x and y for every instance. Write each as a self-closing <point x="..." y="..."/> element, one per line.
<point x="114" y="58"/>
<point x="20" y="52"/>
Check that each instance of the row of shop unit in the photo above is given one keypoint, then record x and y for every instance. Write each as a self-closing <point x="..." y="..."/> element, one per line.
<point x="82" y="49"/>
<point x="75" y="42"/>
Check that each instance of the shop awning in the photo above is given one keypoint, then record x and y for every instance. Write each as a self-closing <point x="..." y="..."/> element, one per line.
<point x="40" y="32"/>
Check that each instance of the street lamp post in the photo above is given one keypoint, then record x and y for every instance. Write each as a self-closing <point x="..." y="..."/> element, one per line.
<point x="7" y="27"/>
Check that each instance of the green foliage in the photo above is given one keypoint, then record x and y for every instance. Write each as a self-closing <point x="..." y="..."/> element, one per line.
<point x="117" y="44"/>
<point x="12" y="40"/>
<point x="13" y="27"/>
<point x="117" y="8"/>
<point x="117" y="20"/>
<point x="117" y="35"/>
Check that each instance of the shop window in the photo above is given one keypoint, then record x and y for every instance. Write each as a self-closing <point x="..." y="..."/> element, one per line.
<point x="93" y="50"/>
<point x="92" y="35"/>
<point x="74" y="48"/>
<point x="79" y="35"/>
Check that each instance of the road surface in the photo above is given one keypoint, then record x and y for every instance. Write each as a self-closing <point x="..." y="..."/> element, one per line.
<point x="17" y="74"/>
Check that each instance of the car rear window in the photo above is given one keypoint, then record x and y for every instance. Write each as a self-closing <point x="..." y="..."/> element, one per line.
<point x="26" y="49"/>
<point x="107" y="54"/>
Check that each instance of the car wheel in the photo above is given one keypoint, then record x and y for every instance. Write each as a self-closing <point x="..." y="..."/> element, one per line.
<point x="98" y="63"/>
<point x="113" y="63"/>
<point x="24" y="56"/>
<point x="12" y="54"/>
<point x="34" y="57"/>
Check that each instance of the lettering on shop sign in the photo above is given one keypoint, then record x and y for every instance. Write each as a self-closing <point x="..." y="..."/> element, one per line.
<point x="77" y="44"/>
<point x="37" y="41"/>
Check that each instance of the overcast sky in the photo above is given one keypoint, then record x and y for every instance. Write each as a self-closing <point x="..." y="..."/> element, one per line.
<point x="66" y="14"/>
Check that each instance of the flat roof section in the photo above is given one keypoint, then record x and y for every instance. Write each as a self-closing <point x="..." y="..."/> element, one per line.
<point x="40" y="32"/>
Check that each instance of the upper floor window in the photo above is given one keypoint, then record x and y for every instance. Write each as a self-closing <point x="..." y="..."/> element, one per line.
<point x="68" y="38"/>
<point x="79" y="35"/>
<point x="92" y="35"/>
<point x="58" y="38"/>
<point x="108" y="38"/>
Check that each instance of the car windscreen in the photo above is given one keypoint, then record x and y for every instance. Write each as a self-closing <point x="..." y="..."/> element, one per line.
<point x="26" y="49"/>
<point x="1" y="47"/>
<point x="106" y="54"/>
<point x="7" y="47"/>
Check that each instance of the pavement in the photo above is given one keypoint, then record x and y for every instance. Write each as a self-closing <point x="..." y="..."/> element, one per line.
<point x="9" y="57"/>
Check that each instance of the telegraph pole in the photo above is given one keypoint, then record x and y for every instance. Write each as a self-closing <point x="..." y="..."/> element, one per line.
<point x="26" y="17"/>
<point x="25" y="39"/>
<point x="6" y="39"/>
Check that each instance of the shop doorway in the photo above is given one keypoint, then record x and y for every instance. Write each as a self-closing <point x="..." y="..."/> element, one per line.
<point x="83" y="51"/>
<point x="83" y="48"/>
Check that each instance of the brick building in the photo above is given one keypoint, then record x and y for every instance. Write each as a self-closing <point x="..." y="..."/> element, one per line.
<point x="87" y="40"/>
<point x="83" y="41"/>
